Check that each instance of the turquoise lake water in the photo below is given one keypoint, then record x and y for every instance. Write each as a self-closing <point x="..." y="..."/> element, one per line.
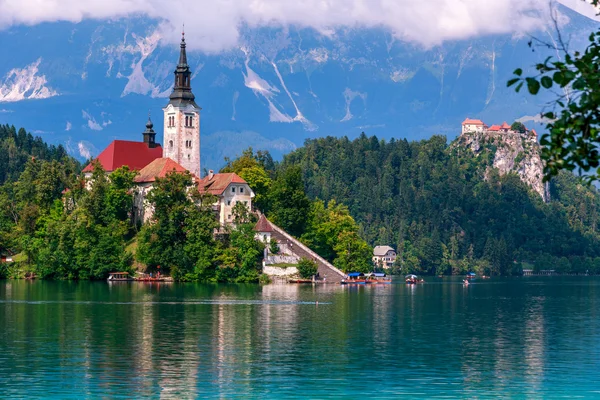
<point x="513" y="338"/>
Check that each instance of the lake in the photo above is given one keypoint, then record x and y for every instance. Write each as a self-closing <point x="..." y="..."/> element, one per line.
<point x="533" y="337"/>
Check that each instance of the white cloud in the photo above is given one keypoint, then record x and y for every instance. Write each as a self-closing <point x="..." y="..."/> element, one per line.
<point x="85" y="150"/>
<point x="69" y="126"/>
<point x="4" y="110"/>
<point x="217" y="23"/>
<point x="538" y="119"/>
<point x="91" y="121"/>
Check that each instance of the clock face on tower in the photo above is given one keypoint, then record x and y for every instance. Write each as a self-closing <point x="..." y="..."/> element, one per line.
<point x="182" y="119"/>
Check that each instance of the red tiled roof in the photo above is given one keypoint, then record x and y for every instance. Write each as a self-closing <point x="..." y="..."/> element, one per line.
<point x="218" y="183"/>
<point x="534" y="132"/>
<point x="136" y="155"/>
<point x="472" y="122"/>
<point x="505" y="125"/>
<point x="158" y="168"/>
<point x="263" y="225"/>
<point x="494" y="128"/>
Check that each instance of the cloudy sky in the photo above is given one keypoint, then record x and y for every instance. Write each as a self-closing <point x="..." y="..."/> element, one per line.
<point x="217" y="22"/>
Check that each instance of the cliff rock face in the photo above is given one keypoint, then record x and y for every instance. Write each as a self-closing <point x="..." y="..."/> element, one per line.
<point x="510" y="152"/>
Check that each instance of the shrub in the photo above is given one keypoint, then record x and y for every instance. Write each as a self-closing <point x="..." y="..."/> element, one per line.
<point x="307" y="268"/>
<point x="274" y="246"/>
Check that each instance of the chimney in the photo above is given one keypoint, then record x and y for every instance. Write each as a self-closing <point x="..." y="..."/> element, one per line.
<point x="211" y="174"/>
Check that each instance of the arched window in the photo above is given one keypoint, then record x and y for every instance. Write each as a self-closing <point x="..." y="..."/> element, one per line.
<point x="170" y="144"/>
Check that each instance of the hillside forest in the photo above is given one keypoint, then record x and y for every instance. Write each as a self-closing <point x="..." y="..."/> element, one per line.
<point x="444" y="210"/>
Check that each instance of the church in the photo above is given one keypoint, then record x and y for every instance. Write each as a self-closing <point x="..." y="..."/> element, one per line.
<point x="180" y="151"/>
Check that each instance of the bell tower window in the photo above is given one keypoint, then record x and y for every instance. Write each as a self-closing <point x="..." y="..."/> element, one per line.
<point x="171" y="144"/>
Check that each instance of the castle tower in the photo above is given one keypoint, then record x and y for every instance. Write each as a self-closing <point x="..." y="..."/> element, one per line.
<point x="182" y="119"/>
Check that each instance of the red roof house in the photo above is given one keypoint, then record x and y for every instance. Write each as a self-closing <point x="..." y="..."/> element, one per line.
<point x="263" y="225"/>
<point x="136" y="155"/>
<point x="469" y="121"/>
<point x="494" y="128"/>
<point x="217" y="183"/>
<point x="159" y="168"/>
<point x="505" y="126"/>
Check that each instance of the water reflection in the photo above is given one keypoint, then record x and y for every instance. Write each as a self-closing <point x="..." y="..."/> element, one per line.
<point x="67" y="339"/>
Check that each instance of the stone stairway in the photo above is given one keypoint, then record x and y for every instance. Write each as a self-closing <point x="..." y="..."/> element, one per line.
<point x="327" y="272"/>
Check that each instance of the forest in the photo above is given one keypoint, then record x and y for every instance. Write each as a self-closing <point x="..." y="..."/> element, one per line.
<point x="443" y="209"/>
<point x="444" y="214"/>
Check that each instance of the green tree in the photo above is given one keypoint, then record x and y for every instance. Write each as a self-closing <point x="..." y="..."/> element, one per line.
<point x="307" y="268"/>
<point x="353" y="254"/>
<point x="274" y="246"/>
<point x="573" y="119"/>
<point x="289" y="203"/>
<point x="518" y="127"/>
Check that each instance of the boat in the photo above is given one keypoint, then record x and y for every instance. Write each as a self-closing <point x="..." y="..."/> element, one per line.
<point x="471" y="275"/>
<point x="378" y="278"/>
<point x="300" y="280"/>
<point x="119" y="277"/>
<point x="143" y="277"/>
<point x="412" y="279"/>
<point x="354" y="278"/>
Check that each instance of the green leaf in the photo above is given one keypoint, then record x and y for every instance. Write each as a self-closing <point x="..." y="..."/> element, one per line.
<point x="569" y="76"/>
<point x="549" y="115"/>
<point x="546" y="82"/>
<point x="533" y="85"/>
<point x="512" y="81"/>
<point x="558" y="77"/>
<point x="518" y="72"/>
<point x="519" y="86"/>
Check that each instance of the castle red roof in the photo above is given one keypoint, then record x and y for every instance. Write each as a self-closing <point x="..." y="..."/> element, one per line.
<point x="534" y="132"/>
<point x="217" y="183"/>
<point x="158" y="168"/>
<point x="473" y="122"/>
<point x="505" y="125"/>
<point x="136" y="155"/>
<point x="263" y="225"/>
<point x="494" y="128"/>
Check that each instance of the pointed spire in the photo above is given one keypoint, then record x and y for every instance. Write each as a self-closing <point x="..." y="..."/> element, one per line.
<point x="182" y="52"/>
<point x="182" y="90"/>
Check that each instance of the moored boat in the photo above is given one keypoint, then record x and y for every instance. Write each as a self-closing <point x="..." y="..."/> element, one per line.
<point x="354" y="278"/>
<point x="119" y="277"/>
<point x="471" y="275"/>
<point x="143" y="277"/>
<point x="412" y="279"/>
<point x="378" y="278"/>
<point x="300" y="280"/>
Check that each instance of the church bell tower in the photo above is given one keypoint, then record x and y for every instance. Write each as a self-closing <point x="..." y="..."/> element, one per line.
<point x="182" y="119"/>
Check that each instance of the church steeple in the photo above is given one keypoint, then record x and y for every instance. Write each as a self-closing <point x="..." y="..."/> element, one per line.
<point x="182" y="91"/>
<point x="149" y="134"/>
<point x="181" y="140"/>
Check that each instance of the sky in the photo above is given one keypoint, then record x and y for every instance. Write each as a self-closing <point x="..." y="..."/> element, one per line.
<point x="218" y="22"/>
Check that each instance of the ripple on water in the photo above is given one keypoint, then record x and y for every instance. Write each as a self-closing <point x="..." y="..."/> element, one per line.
<point x="498" y="338"/>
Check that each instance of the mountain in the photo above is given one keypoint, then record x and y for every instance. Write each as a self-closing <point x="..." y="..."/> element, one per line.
<point x="84" y="84"/>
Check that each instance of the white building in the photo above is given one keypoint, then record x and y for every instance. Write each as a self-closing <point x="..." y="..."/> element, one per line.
<point x="231" y="189"/>
<point x="473" y="125"/>
<point x="384" y="256"/>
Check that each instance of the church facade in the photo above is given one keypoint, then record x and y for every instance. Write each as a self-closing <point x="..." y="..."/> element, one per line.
<point x="180" y="151"/>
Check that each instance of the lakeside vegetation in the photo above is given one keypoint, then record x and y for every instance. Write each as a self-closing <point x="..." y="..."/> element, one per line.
<point x="434" y="203"/>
